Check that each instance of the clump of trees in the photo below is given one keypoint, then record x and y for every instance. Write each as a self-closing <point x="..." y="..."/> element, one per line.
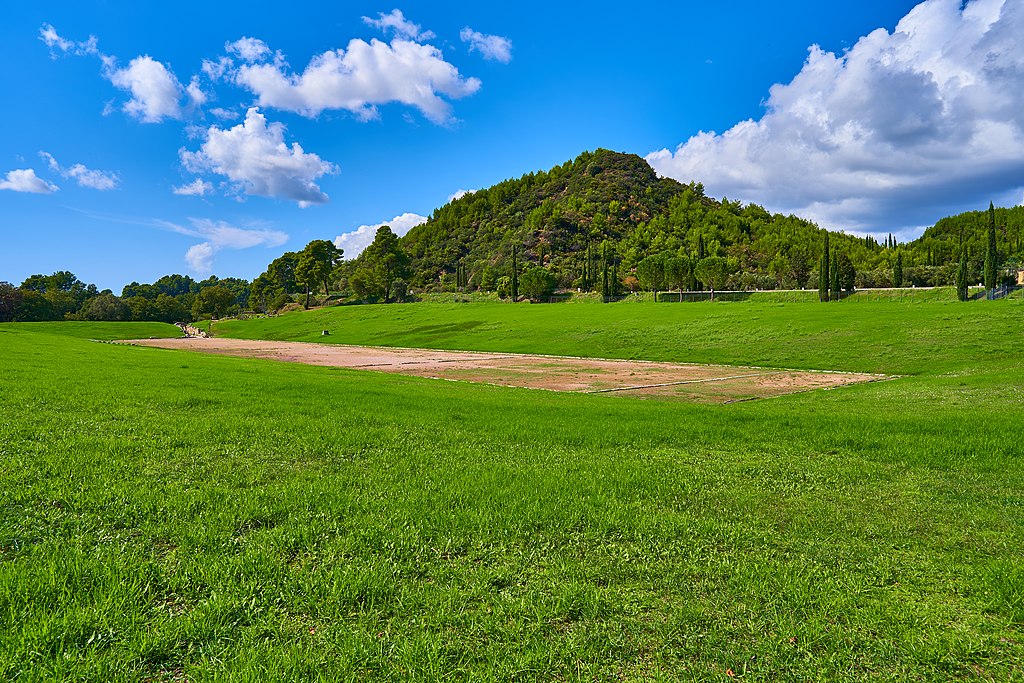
<point x="172" y="298"/>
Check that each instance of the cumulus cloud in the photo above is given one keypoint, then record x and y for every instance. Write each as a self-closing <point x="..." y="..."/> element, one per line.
<point x="85" y="177"/>
<point x="219" y="235"/>
<point x="897" y="131"/>
<point x="254" y="156"/>
<point x="216" y="70"/>
<point x="361" y="77"/>
<point x="248" y="49"/>
<point x="197" y="188"/>
<point x="354" y="242"/>
<point x="497" y="48"/>
<point x="396" y="22"/>
<point x="155" y="91"/>
<point x="26" y="180"/>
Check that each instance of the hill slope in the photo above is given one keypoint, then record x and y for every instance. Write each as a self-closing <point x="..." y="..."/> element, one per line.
<point x="603" y="196"/>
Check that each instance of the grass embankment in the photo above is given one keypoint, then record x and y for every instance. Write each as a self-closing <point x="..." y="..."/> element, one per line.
<point x="891" y="337"/>
<point x="167" y="516"/>
<point x="98" y="331"/>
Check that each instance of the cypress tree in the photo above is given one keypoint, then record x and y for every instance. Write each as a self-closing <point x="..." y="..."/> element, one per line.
<point x="605" y="290"/>
<point x="961" y="276"/>
<point x="824" y="278"/>
<point x="585" y="279"/>
<point x="897" y="271"/>
<point x="515" y="275"/>
<point x="991" y="267"/>
<point x="834" y="278"/>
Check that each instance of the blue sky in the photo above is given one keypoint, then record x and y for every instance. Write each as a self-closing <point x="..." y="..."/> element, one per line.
<point x="202" y="138"/>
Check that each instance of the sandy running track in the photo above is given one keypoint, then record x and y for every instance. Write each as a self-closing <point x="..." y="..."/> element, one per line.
<point x="701" y="383"/>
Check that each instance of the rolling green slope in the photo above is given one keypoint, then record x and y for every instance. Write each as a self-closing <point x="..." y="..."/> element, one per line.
<point x="98" y="330"/>
<point x="894" y="337"/>
<point x="171" y="516"/>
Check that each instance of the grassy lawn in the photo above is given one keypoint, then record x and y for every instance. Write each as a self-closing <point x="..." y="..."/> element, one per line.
<point x="172" y="516"/>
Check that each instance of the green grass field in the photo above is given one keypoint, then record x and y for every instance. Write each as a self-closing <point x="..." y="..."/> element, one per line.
<point x="168" y="516"/>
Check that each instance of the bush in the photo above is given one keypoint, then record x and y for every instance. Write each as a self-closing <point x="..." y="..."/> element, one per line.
<point x="537" y="283"/>
<point x="280" y="301"/>
<point x="504" y="287"/>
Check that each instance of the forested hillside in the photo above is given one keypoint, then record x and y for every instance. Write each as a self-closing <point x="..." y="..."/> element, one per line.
<point x="567" y="219"/>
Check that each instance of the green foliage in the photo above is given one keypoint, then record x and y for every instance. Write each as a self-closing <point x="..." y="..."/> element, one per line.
<point x="537" y="283"/>
<point x="315" y="264"/>
<point x="215" y="302"/>
<point x="386" y="261"/>
<point x="558" y="218"/>
<point x="503" y="287"/>
<point x="367" y="284"/>
<point x="991" y="255"/>
<point x="824" y="270"/>
<point x="897" y="270"/>
<point x="10" y="301"/>
<point x="280" y="301"/>
<point x="713" y="271"/>
<point x="961" y="275"/>
<point x="846" y="273"/>
<point x="651" y="272"/>
<point x="105" y="307"/>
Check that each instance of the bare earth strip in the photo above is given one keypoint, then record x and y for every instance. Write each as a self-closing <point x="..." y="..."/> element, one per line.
<point x="697" y="383"/>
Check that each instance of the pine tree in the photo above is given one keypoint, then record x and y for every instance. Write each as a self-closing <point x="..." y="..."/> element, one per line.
<point x="897" y="271"/>
<point x="824" y="278"/>
<point x="961" y="276"/>
<point x="991" y="266"/>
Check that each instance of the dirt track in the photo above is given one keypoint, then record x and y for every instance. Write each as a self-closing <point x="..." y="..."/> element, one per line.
<point x="702" y="383"/>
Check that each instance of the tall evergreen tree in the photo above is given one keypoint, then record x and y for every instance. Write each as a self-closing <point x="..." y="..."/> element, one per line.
<point x="961" y="275"/>
<point x="991" y="265"/>
<point x="515" y="274"/>
<point x="833" y="282"/>
<point x="824" y="278"/>
<point x="605" y="285"/>
<point x="897" y="270"/>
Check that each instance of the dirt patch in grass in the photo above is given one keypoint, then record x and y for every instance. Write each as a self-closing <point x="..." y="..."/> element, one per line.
<point x="679" y="381"/>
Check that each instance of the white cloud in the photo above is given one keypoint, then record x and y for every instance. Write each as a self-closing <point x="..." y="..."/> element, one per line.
<point x="197" y="97"/>
<point x="225" y="114"/>
<point x="360" y="78"/>
<point x="219" y="235"/>
<point x="156" y="92"/>
<point x="199" y="258"/>
<point x="197" y="188"/>
<point x="897" y="131"/>
<point x="403" y="28"/>
<point x="216" y="70"/>
<point x="354" y="242"/>
<point x="48" y="34"/>
<point x="254" y="156"/>
<point x="26" y="180"/>
<point x="85" y="177"/>
<point x="498" y="48"/>
<point x="459" y="194"/>
<point x="248" y="49"/>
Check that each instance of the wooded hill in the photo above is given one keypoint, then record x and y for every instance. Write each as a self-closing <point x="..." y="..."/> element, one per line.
<point x="564" y="219"/>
